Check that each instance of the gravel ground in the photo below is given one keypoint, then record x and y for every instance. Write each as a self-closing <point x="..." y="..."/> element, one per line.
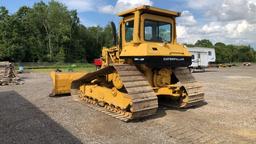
<point x="28" y="115"/>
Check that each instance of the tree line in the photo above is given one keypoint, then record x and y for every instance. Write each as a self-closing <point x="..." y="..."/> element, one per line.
<point x="49" y="32"/>
<point x="228" y="53"/>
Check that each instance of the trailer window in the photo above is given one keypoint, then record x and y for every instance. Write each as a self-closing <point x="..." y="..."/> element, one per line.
<point x="129" y="26"/>
<point x="209" y="53"/>
<point x="157" y="31"/>
<point x="193" y="57"/>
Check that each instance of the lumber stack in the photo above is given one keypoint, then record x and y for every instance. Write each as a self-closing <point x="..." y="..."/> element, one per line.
<point x="8" y="74"/>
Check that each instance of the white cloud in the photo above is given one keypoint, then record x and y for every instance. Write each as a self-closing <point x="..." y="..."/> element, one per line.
<point x="181" y="31"/>
<point x="228" y="29"/>
<point x="235" y="10"/>
<point x="212" y="27"/>
<point x="187" y="19"/>
<point x="242" y="30"/>
<point x="226" y="10"/>
<point x="242" y="27"/>
<point x="237" y="32"/>
<point x="80" y="5"/>
<point x="109" y="9"/>
<point x="101" y="6"/>
<point x="127" y="4"/>
<point x="122" y="5"/>
<point x="187" y="34"/>
<point x="230" y="21"/>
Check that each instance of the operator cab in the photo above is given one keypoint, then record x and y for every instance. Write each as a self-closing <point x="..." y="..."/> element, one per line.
<point x="148" y="35"/>
<point x="148" y="24"/>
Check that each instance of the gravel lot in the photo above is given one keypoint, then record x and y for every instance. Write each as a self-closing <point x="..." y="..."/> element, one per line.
<point x="28" y="115"/>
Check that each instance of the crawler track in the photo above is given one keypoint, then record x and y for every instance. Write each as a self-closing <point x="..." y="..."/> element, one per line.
<point x="144" y="100"/>
<point x="193" y="88"/>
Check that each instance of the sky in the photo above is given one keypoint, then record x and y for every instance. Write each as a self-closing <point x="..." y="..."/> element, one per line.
<point x="228" y="21"/>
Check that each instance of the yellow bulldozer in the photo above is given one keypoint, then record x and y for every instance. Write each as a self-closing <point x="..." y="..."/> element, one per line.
<point x="145" y="67"/>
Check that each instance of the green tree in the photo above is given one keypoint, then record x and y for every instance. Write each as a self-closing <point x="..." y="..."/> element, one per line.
<point x="4" y="22"/>
<point x="60" y="57"/>
<point x="204" y="43"/>
<point x="229" y="53"/>
<point x="219" y="44"/>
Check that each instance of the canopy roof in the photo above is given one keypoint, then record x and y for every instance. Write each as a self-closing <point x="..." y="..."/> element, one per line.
<point x="151" y="10"/>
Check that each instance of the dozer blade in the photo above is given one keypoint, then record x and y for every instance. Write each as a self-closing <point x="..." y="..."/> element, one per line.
<point x="62" y="81"/>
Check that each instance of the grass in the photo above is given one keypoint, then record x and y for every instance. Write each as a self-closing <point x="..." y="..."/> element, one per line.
<point x="46" y="68"/>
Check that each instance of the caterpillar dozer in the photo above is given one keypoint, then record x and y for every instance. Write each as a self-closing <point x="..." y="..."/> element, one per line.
<point x="145" y="67"/>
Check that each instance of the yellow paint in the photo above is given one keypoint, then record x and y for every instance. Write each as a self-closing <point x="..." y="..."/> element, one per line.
<point x="62" y="81"/>
<point x="115" y="78"/>
<point x="106" y="95"/>
<point x="172" y="91"/>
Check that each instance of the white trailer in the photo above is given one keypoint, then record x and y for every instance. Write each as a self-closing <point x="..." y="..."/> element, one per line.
<point x="201" y="57"/>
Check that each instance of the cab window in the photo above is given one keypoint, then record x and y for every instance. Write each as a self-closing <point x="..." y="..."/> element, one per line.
<point x="157" y="31"/>
<point x="129" y="27"/>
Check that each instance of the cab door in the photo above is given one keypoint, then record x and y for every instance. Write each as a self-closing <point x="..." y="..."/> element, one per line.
<point x="127" y="29"/>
